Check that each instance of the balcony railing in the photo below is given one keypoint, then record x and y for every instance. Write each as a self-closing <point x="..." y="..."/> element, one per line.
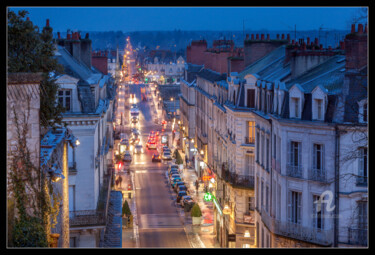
<point x="86" y="218"/>
<point x="357" y="236"/>
<point x="297" y="231"/>
<point x="249" y="140"/>
<point x="294" y="171"/>
<point x="317" y="175"/>
<point x="241" y="181"/>
<point x="96" y="217"/>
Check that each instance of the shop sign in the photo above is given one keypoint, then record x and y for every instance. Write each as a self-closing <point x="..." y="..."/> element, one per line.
<point x="248" y="240"/>
<point x="206" y="178"/>
<point x="208" y="197"/>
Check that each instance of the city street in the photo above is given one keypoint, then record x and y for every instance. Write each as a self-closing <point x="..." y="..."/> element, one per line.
<point x="157" y="222"/>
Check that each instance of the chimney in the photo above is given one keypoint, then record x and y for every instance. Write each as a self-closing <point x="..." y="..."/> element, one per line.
<point x="308" y="41"/>
<point x="257" y="36"/>
<point x="329" y="47"/>
<point x="252" y="36"/>
<point x="304" y="46"/>
<point x="68" y="36"/>
<point x="292" y="42"/>
<point x="28" y="18"/>
<point x="87" y="36"/>
<point x="86" y="51"/>
<point x="360" y="29"/>
<point x="247" y="36"/>
<point x="288" y="37"/>
<point x="268" y="37"/>
<point x="262" y="37"/>
<point x="58" y="35"/>
<point x="282" y="37"/>
<point x="356" y="49"/>
<point x="365" y="29"/>
<point x="353" y="29"/>
<point x="277" y="36"/>
<point x="342" y="45"/>
<point x="47" y="23"/>
<point x="316" y="42"/>
<point x="321" y="47"/>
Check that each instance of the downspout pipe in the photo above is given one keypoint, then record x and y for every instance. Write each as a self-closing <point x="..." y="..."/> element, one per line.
<point x="337" y="182"/>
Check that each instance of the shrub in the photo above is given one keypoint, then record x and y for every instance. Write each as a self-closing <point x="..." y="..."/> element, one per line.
<point x="196" y="211"/>
<point x="126" y="209"/>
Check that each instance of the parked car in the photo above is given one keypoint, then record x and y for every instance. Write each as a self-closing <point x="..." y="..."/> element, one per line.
<point x="187" y="200"/>
<point x="173" y="166"/>
<point x="177" y="185"/>
<point x="173" y="172"/>
<point x="167" y="155"/>
<point x="180" y="195"/>
<point x="156" y="157"/>
<point x="134" y="119"/>
<point x="138" y="148"/>
<point x="127" y="156"/>
<point x="181" y="188"/>
<point x="175" y="180"/>
<point x="174" y="176"/>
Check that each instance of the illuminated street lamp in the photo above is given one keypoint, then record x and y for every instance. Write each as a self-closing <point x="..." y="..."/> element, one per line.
<point x="202" y="152"/>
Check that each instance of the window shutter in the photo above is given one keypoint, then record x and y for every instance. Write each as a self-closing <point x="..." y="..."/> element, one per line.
<point x="314" y="211"/>
<point x="290" y="154"/>
<point x="314" y="166"/>
<point x="299" y="208"/>
<point x="361" y="161"/>
<point x="299" y="154"/>
<point x="289" y="206"/>
<point x="323" y="171"/>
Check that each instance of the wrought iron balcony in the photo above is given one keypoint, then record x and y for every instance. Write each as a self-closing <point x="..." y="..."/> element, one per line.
<point x="357" y="236"/>
<point x="317" y="175"/>
<point x="249" y="140"/>
<point x="297" y="231"/>
<point x="86" y="218"/>
<point x="294" y="171"/>
<point x="240" y="181"/>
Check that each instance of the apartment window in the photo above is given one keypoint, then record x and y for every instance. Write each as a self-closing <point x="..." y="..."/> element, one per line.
<point x="318" y="210"/>
<point x="262" y="149"/>
<point x="278" y="211"/>
<point x="319" y="109"/>
<point x="257" y="189"/>
<point x="250" y="204"/>
<point x="251" y="98"/>
<point x="295" y="207"/>
<point x="257" y="146"/>
<point x="72" y="198"/>
<point x="362" y="215"/>
<point x="362" y="167"/>
<point x="267" y="153"/>
<point x="364" y="113"/>
<point x="294" y="167"/>
<point x="249" y="165"/>
<point x="257" y="231"/>
<point x="295" y="105"/>
<point x="261" y="195"/>
<point x="267" y="195"/>
<point x="269" y="102"/>
<point x="318" y="162"/>
<point x="268" y="243"/>
<point x="274" y="146"/>
<point x="250" y="132"/>
<point x="64" y="98"/>
<point x="278" y="148"/>
<point x="262" y="237"/>
<point x="73" y="242"/>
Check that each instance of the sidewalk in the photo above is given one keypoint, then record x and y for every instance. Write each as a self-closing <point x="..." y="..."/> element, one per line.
<point x="202" y="236"/>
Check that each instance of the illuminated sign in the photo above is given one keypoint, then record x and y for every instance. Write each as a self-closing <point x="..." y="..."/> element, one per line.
<point x="208" y="196"/>
<point x="206" y="178"/>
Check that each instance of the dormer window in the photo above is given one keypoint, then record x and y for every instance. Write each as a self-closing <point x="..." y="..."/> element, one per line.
<point x="295" y="107"/>
<point x="319" y="109"/>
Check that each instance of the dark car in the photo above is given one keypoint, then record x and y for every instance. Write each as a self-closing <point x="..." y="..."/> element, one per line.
<point x="174" y="176"/>
<point x="180" y="195"/>
<point x="187" y="200"/>
<point x="156" y="157"/>
<point x="175" y="180"/>
<point x="181" y="188"/>
<point x="181" y="183"/>
<point x="173" y="172"/>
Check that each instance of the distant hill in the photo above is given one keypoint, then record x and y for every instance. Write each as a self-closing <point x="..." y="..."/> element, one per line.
<point x="177" y="40"/>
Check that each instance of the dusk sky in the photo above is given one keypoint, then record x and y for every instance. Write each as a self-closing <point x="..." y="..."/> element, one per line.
<point x="129" y="19"/>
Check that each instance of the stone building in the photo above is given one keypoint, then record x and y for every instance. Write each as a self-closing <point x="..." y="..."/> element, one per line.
<point x="88" y="96"/>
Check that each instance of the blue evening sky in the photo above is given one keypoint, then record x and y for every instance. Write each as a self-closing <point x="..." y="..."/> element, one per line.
<point x="128" y="19"/>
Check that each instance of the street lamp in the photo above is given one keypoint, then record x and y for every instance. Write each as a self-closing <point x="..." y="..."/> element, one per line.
<point x="202" y="152"/>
